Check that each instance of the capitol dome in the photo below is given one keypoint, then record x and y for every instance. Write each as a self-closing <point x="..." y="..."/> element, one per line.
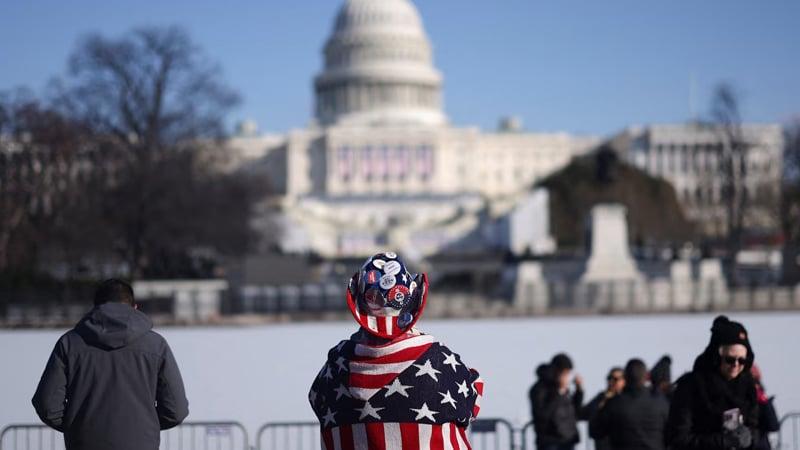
<point x="378" y="68"/>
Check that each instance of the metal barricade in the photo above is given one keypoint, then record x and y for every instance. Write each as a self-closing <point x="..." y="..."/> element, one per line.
<point x="491" y="434"/>
<point x="789" y="434"/>
<point x="206" y="436"/>
<point x="187" y="436"/>
<point x="484" y="434"/>
<point x="288" y="436"/>
<point x="30" y="437"/>
<point x="528" y="437"/>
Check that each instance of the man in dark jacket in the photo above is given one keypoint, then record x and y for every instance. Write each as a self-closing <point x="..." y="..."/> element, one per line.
<point x="615" y="382"/>
<point x="554" y="408"/>
<point x="111" y="382"/>
<point x="714" y="407"/>
<point x="635" y="419"/>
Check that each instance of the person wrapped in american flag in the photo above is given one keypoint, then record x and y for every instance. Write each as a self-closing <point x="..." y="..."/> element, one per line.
<point x="390" y="386"/>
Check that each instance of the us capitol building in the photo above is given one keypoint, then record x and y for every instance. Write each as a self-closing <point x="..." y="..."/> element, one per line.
<point x="380" y="166"/>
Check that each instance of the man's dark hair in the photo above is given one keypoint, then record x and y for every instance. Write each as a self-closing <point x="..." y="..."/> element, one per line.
<point x="114" y="291"/>
<point x="561" y="362"/>
<point x="635" y="373"/>
<point x="614" y="370"/>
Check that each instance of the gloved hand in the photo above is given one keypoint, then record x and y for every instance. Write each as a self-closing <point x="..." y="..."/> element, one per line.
<point x="739" y="438"/>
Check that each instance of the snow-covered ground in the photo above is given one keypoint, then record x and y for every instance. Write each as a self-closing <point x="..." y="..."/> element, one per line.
<point x="262" y="374"/>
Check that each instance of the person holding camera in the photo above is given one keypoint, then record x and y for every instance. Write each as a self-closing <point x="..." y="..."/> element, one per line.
<point x="615" y="383"/>
<point x="715" y="406"/>
<point x="554" y="408"/>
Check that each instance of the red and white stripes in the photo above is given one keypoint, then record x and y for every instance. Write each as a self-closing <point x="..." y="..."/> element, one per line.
<point x="395" y="436"/>
<point x="477" y="385"/>
<point x="374" y="367"/>
<point x="384" y="325"/>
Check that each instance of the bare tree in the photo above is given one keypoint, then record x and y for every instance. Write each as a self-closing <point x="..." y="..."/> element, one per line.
<point x="159" y="107"/>
<point x="19" y="185"/>
<point x="790" y="204"/>
<point x="153" y="89"/>
<point x="732" y="158"/>
<point x="43" y="166"/>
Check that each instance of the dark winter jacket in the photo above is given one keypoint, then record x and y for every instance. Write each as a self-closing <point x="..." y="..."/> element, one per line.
<point x="768" y="421"/>
<point x="699" y="401"/>
<point x="589" y="412"/>
<point x="111" y="383"/>
<point x="555" y="415"/>
<point x="633" y="420"/>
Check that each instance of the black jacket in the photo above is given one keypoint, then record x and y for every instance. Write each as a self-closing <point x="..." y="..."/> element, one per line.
<point x="555" y="415"/>
<point x="768" y="422"/>
<point x="633" y="420"/>
<point x="111" y="383"/>
<point x="699" y="401"/>
<point x="589" y="412"/>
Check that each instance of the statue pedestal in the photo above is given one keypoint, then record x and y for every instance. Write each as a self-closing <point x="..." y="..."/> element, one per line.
<point x="610" y="259"/>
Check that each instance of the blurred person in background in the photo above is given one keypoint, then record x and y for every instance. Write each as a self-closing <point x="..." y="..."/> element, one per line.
<point x="553" y="407"/>
<point x="661" y="377"/>
<point x="714" y="407"/>
<point x="112" y="382"/>
<point x="615" y="382"/>
<point x="634" y="419"/>
<point x="768" y="421"/>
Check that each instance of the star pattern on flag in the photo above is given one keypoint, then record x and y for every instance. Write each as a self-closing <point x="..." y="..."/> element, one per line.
<point x="369" y="410"/>
<point x="427" y="369"/>
<point x="341" y="364"/>
<point x="463" y="388"/>
<point x="423" y="411"/>
<point x="450" y="360"/>
<point x="447" y="398"/>
<point x="329" y="418"/>
<point x="397" y="388"/>
<point x="342" y="391"/>
<point x="436" y="387"/>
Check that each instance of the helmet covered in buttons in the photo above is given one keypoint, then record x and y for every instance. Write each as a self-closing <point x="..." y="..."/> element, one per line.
<point x="384" y="297"/>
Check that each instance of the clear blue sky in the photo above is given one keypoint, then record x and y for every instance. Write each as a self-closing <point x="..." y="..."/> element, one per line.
<point x="579" y="66"/>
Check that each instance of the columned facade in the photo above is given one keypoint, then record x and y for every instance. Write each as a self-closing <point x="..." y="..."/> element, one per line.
<point x="378" y="68"/>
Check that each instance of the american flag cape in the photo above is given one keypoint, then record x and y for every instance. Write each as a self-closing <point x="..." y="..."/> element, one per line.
<point x="412" y="393"/>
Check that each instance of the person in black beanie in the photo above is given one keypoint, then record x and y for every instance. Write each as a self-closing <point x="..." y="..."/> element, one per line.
<point x="661" y="377"/>
<point x="714" y="406"/>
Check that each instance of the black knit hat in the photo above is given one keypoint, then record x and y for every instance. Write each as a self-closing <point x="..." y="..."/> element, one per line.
<point x="727" y="332"/>
<point x="662" y="371"/>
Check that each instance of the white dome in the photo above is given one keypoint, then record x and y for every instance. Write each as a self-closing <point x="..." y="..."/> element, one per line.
<point x="378" y="68"/>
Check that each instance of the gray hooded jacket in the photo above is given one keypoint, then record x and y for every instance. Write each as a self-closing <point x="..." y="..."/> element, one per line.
<point x="111" y="382"/>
